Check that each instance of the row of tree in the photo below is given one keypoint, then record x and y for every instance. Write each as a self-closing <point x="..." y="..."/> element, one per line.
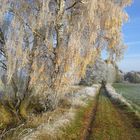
<point x="45" y="46"/>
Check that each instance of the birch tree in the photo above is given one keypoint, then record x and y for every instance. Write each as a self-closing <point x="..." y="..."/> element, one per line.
<point x="49" y="43"/>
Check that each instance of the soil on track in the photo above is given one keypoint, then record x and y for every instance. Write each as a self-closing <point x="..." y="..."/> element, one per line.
<point x="110" y="122"/>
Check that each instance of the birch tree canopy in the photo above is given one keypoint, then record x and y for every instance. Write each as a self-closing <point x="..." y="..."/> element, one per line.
<point x="46" y="45"/>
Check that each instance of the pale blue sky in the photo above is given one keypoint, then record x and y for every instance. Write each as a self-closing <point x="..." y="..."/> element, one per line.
<point x="131" y="34"/>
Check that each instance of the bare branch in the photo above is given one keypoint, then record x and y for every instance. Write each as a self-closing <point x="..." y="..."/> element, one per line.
<point x="76" y="2"/>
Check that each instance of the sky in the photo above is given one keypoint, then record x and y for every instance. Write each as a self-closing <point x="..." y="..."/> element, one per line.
<point x="131" y="35"/>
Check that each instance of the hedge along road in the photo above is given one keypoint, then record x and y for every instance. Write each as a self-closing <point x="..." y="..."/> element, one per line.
<point x="110" y="122"/>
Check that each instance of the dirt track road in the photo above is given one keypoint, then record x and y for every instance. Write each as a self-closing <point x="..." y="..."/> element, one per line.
<point x="110" y="122"/>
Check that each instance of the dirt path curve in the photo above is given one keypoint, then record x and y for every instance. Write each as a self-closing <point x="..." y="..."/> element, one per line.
<point x="110" y="123"/>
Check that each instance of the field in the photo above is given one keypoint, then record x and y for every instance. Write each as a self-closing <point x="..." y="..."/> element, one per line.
<point x="130" y="91"/>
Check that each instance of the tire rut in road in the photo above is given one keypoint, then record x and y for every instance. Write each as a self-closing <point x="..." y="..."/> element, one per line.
<point x="92" y="118"/>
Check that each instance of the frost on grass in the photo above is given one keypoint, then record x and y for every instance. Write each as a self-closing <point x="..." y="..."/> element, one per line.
<point x="80" y="98"/>
<point x="119" y="98"/>
<point x="53" y="129"/>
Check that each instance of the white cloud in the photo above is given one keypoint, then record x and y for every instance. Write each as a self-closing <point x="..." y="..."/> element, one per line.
<point x="132" y="43"/>
<point x="132" y="56"/>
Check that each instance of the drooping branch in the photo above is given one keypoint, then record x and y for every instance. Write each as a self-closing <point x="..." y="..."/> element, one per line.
<point x="25" y="23"/>
<point x="2" y="41"/>
<point x="76" y="2"/>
